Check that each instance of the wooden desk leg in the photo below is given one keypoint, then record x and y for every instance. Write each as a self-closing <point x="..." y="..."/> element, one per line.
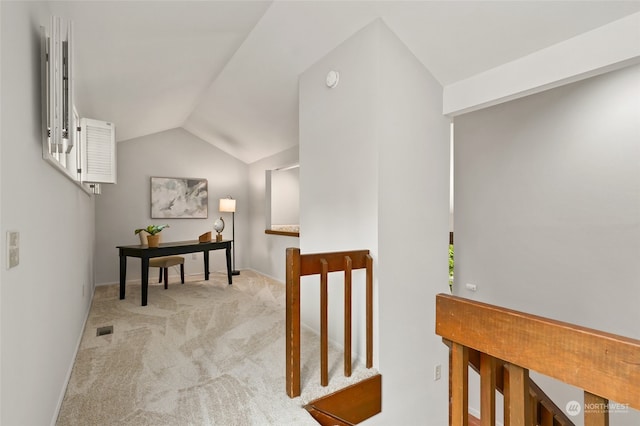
<point x="206" y="264"/>
<point x="123" y="275"/>
<point x="229" y="272"/>
<point x="145" y="280"/>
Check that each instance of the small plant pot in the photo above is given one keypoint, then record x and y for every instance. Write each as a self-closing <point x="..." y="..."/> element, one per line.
<point x="153" y="241"/>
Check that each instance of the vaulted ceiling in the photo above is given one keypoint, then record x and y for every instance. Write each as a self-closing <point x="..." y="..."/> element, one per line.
<point x="227" y="71"/>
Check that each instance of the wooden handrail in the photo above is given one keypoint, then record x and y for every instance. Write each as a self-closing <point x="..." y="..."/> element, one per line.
<point x="310" y="263"/>
<point x="322" y="264"/>
<point x="605" y="365"/>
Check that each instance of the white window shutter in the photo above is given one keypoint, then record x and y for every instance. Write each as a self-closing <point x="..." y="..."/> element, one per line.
<point x="58" y="84"/>
<point x="68" y="124"/>
<point x="98" y="151"/>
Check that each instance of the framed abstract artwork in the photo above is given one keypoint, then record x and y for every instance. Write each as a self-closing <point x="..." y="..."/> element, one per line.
<point x="184" y="198"/>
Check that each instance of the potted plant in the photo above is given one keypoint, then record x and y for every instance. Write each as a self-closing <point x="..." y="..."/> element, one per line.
<point x="153" y="239"/>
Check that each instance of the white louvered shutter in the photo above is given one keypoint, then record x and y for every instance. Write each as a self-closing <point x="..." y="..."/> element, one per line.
<point x="98" y="151"/>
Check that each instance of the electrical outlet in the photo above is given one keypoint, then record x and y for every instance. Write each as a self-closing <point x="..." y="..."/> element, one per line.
<point x="471" y="287"/>
<point x="437" y="372"/>
<point x="13" y="249"/>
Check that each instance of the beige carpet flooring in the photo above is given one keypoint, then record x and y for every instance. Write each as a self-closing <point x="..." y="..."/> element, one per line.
<point x="202" y="353"/>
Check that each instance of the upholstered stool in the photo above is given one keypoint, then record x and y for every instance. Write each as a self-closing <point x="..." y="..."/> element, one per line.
<point x="163" y="262"/>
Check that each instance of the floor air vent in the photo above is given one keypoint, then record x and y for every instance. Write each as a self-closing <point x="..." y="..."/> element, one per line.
<point x="103" y="331"/>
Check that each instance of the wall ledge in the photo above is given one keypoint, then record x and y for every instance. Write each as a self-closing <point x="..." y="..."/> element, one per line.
<point x="284" y="233"/>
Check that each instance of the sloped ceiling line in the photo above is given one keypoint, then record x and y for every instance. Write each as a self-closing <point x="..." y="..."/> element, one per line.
<point x="227" y="71"/>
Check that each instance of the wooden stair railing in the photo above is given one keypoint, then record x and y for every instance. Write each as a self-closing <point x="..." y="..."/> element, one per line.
<point x="604" y="365"/>
<point x="543" y="410"/>
<point x="322" y="264"/>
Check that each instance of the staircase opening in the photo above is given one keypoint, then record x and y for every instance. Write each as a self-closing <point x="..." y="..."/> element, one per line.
<point x="350" y="405"/>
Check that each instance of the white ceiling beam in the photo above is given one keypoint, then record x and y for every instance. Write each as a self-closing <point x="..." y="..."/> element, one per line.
<point x="612" y="46"/>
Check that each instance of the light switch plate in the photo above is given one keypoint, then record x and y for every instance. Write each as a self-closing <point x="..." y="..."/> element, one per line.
<point x="13" y="249"/>
<point x="437" y="372"/>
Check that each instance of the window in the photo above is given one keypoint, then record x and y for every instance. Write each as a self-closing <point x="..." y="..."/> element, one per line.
<point x="81" y="149"/>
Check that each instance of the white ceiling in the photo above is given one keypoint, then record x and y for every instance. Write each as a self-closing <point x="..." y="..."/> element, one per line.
<point x="227" y="71"/>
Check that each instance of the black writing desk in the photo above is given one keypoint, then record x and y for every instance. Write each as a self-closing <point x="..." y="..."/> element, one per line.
<point x="168" y="249"/>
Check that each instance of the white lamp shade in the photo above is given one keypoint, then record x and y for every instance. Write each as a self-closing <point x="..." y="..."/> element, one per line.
<point x="227" y="205"/>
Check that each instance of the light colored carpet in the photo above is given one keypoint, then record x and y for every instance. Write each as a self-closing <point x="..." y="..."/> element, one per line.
<point x="202" y="353"/>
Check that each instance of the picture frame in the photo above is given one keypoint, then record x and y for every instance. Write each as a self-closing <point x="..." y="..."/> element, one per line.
<point x="181" y="198"/>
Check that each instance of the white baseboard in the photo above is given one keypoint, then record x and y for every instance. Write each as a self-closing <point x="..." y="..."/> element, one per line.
<point x="73" y="360"/>
<point x="266" y="275"/>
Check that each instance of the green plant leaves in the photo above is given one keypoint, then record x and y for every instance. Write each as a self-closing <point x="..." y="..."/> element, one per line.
<point x="151" y="229"/>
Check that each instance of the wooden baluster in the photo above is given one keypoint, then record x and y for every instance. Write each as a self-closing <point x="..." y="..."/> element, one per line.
<point x="518" y="396"/>
<point x="324" y="324"/>
<point x="596" y="410"/>
<point x="506" y="394"/>
<point x="293" y="322"/>
<point x="369" y="318"/>
<point x="459" y="385"/>
<point x="546" y="415"/>
<point x="347" y="316"/>
<point x="450" y="385"/>
<point x="533" y="403"/>
<point x="487" y="390"/>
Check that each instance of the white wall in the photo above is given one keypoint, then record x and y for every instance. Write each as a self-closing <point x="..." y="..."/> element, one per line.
<point x="374" y="164"/>
<point x="547" y="207"/>
<point x="413" y="236"/>
<point x="339" y="174"/>
<point x="285" y="197"/>
<point x="122" y="208"/>
<point x="3" y="254"/>
<point x="43" y="306"/>
<point x="607" y="48"/>
<point x="267" y="251"/>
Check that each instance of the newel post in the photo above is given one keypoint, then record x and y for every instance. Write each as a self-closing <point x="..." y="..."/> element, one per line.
<point x="293" y="322"/>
